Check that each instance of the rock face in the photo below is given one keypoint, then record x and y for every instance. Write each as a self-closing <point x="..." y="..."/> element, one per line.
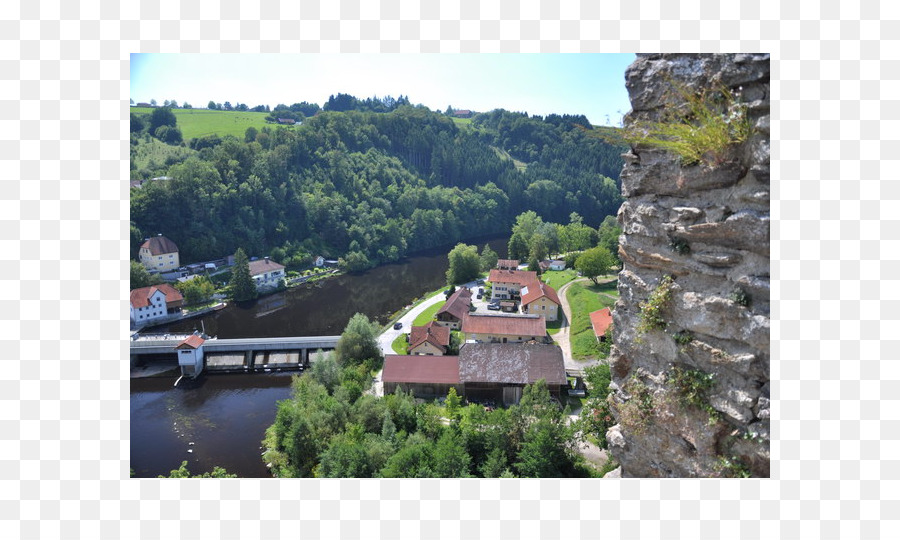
<point x="691" y="395"/>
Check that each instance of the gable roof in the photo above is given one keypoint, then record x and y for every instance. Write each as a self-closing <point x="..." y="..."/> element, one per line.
<point x="600" y="320"/>
<point x="159" y="245"/>
<point x="537" y="290"/>
<point x="458" y="303"/>
<point x="141" y="297"/>
<point x="511" y="363"/>
<point x="421" y="369"/>
<point x="504" y="325"/>
<point x="192" y="342"/>
<point x="507" y="263"/>
<point x="433" y="333"/>
<point x="261" y="266"/>
<point x="519" y="277"/>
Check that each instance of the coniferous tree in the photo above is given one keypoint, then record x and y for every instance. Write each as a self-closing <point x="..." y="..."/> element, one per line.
<point x="242" y="286"/>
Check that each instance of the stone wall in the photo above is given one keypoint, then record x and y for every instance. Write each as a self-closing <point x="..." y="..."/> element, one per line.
<point x="707" y="227"/>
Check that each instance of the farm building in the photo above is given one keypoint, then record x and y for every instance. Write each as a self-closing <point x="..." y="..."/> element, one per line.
<point x="499" y="372"/>
<point x="426" y="376"/>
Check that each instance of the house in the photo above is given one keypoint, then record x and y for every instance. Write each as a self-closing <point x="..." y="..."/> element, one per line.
<point x="425" y="377"/>
<point x="190" y="355"/>
<point x="266" y="273"/>
<point x="429" y="340"/>
<point x="507" y="284"/>
<point x="155" y="302"/>
<point x="455" y="309"/>
<point x="319" y="261"/>
<point x="499" y="372"/>
<point x="503" y="328"/>
<point x="507" y="264"/>
<point x="552" y="265"/>
<point x="463" y="113"/>
<point x="159" y="254"/>
<point x="601" y="321"/>
<point x="538" y="298"/>
<point x="288" y="121"/>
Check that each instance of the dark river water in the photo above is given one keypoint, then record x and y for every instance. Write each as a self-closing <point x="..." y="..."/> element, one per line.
<point x="226" y="416"/>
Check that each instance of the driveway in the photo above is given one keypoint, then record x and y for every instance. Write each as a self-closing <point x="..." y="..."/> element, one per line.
<point x="562" y="337"/>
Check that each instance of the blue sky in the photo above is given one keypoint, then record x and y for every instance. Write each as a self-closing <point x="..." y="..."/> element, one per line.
<point x="589" y="84"/>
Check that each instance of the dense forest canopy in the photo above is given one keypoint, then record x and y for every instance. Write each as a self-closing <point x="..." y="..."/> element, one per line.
<point x="371" y="183"/>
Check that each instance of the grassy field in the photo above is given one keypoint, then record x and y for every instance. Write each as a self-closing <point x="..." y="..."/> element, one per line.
<point x="428" y="315"/>
<point x="557" y="279"/>
<point x="583" y="300"/>
<point x="400" y="345"/>
<point x="199" y="122"/>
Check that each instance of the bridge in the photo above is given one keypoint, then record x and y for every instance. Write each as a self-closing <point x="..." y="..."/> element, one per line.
<point x="197" y="352"/>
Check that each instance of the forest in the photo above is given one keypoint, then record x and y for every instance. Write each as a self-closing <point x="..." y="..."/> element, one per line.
<point x="366" y="184"/>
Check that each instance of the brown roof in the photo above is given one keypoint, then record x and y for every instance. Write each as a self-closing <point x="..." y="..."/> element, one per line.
<point x="507" y="263"/>
<point x="538" y="290"/>
<point x="421" y="369"/>
<point x="141" y="297"/>
<point x="158" y="245"/>
<point x="261" y="266"/>
<point x="519" y="363"/>
<point x="600" y="320"/>
<point x="458" y="303"/>
<point x="192" y="342"/>
<point x="519" y="277"/>
<point x="505" y="325"/>
<point x="433" y="333"/>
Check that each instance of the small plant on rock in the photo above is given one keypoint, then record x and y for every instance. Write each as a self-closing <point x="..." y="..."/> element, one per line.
<point x="701" y="130"/>
<point x="732" y="468"/>
<point x="692" y="387"/>
<point x="739" y="297"/>
<point x="652" y="309"/>
<point x="679" y="246"/>
<point x="683" y="337"/>
<point x="635" y="413"/>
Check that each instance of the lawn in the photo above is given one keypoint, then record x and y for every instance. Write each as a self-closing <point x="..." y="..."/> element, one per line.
<point x="428" y="315"/>
<point x="400" y="344"/>
<point x="557" y="279"/>
<point x="611" y="288"/>
<point x="583" y="301"/>
<point x="199" y="122"/>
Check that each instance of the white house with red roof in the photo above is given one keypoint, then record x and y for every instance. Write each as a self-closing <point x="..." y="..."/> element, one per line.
<point x="601" y="321"/>
<point x="429" y="340"/>
<point x="507" y="284"/>
<point x="154" y="302"/>
<point x="190" y="355"/>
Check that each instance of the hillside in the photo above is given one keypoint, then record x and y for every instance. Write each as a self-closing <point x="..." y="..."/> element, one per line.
<point x="195" y="123"/>
<point x="366" y="187"/>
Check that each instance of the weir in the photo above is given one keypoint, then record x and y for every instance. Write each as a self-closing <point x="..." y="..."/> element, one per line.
<point x="196" y="352"/>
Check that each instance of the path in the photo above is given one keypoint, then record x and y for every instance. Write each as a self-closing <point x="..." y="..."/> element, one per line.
<point x="562" y="337"/>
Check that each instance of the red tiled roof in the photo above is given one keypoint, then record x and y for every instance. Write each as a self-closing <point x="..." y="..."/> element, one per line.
<point x="421" y="369"/>
<point x="519" y="277"/>
<point x="511" y="363"/>
<point x="261" y="266"/>
<point x="433" y="333"/>
<point x="192" y="342"/>
<point x="458" y="303"/>
<point x="141" y="297"/>
<point x="600" y="320"/>
<point x="538" y="290"/>
<point x="159" y="245"/>
<point x="505" y="325"/>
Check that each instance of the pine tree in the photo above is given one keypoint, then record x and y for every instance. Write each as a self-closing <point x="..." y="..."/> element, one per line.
<point x="242" y="285"/>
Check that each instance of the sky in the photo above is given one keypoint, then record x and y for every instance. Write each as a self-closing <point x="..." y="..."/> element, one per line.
<point x="539" y="84"/>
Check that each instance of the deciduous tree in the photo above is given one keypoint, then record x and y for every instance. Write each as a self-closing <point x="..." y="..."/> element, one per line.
<point x="595" y="262"/>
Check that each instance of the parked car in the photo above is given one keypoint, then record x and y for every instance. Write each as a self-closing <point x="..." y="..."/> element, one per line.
<point x="480" y="290"/>
<point x="494" y="307"/>
<point x="398" y="326"/>
<point x="479" y="296"/>
<point x="479" y="282"/>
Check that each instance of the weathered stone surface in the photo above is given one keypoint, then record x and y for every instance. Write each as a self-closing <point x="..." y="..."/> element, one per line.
<point x="722" y="213"/>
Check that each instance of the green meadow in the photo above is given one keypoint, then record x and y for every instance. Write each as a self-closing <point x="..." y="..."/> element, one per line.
<point x="199" y="122"/>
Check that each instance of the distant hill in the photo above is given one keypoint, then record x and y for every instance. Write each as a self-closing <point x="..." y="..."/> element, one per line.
<point x="199" y="122"/>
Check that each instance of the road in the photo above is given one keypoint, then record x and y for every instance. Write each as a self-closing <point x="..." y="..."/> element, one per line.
<point x="562" y="337"/>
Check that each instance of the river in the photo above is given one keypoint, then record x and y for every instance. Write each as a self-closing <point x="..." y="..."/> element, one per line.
<point x="226" y="416"/>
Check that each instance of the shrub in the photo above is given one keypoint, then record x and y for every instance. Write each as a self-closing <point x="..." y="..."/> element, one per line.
<point x="739" y="297"/>
<point x="635" y="413"/>
<point x="692" y="388"/>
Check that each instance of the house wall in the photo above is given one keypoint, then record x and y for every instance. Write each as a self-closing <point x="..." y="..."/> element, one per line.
<point x="504" y="291"/>
<point x="545" y="307"/>
<point x="269" y="279"/>
<point x="498" y="338"/>
<point x="422" y="390"/>
<point x="449" y="321"/>
<point x="159" y="263"/>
